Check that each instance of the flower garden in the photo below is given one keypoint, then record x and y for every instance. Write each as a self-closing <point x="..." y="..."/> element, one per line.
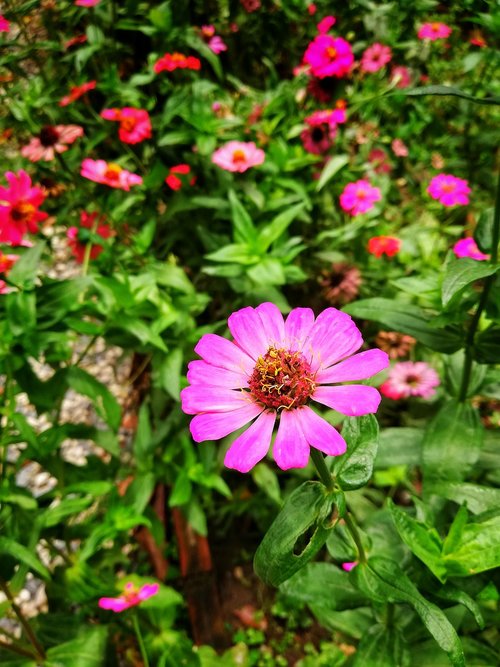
<point x="249" y="334"/>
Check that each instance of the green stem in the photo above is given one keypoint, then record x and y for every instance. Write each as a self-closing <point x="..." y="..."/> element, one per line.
<point x="40" y="652"/>
<point x="323" y="472"/>
<point x="353" y="530"/>
<point x="488" y="284"/>
<point x="140" y="640"/>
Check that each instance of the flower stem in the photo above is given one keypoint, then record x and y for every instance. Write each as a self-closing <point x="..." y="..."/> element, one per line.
<point x="323" y="472"/>
<point x="140" y="640"/>
<point x="40" y="652"/>
<point x="488" y="284"/>
<point x="353" y="530"/>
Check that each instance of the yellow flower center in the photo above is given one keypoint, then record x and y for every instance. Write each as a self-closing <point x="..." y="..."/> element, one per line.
<point x="23" y="212"/>
<point x="113" y="171"/>
<point x="331" y="52"/>
<point x="239" y="156"/>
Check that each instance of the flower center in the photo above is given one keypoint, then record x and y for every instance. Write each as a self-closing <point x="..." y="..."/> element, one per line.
<point x="331" y="52"/>
<point x="128" y="123"/>
<point x="448" y="187"/>
<point x="49" y="135"/>
<point x="412" y="380"/>
<point x="317" y="134"/>
<point x="340" y="104"/>
<point x="361" y="194"/>
<point x="131" y="593"/>
<point x="282" y="379"/>
<point x="113" y="172"/>
<point x="435" y="27"/>
<point x="22" y="212"/>
<point x="239" y="156"/>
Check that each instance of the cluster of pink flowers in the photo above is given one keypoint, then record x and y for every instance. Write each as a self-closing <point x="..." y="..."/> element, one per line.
<point x="409" y="378"/>
<point x="433" y="31"/>
<point x="329" y="56"/>
<point x="109" y="173"/>
<point x="172" y="61"/>
<point x="179" y="176"/>
<point x="238" y="156"/>
<point x="384" y="245"/>
<point x="468" y="248"/>
<point x="214" y="42"/>
<point x="359" y="197"/>
<point x="19" y="213"/>
<point x="375" y="57"/>
<point x="51" y="140"/>
<point x="131" y="597"/>
<point x="79" y="237"/>
<point x="449" y="190"/>
<point x="135" y="124"/>
<point x="75" y="92"/>
<point x="274" y="369"/>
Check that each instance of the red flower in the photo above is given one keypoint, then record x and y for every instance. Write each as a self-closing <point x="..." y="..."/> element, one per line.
<point x="135" y="124"/>
<point x="75" y="92"/>
<point x="19" y="204"/>
<point x="174" y="182"/>
<point x="78" y="237"/>
<point x="172" y="61"/>
<point x="384" y="245"/>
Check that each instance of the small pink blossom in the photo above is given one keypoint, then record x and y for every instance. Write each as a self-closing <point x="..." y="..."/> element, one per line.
<point x="238" y="156"/>
<point x="272" y="371"/>
<point x="87" y="3"/>
<point x="79" y="237"/>
<point x="320" y="132"/>
<point x="311" y="8"/>
<point x="325" y="24"/>
<point x="449" y="190"/>
<point x="468" y="248"/>
<point x="131" y="597"/>
<point x="349" y="566"/>
<point x="329" y="56"/>
<point x="409" y="378"/>
<point x="433" y="31"/>
<point x="214" y="42"/>
<point x="379" y="160"/>
<point x="109" y="173"/>
<point x="375" y="57"/>
<point x="4" y="24"/>
<point x="51" y="140"/>
<point x="399" y="148"/>
<point x="19" y="204"/>
<point x="400" y="75"/>
<point x="384" y="245"/>
<point x="135" y="124"/>
<point x="359" y="197"/>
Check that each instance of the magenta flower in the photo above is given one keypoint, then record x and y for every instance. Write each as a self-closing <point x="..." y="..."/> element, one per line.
<point x="359" y="197"/>
<point x="135" y="124"/>
<point x="214" y="42"/>
<point x="375" y="57"/>
<point x="449" y="190"/>
<point x="87" y="3"/>
<point x="468" y="248"/>
<point x="238" y="156"/>
<point x="409" y="378"/>
<point x="109" y="173"/>
<point x="51" y="140"/>
<point x="275" y="368"/>
<point x="329" y="56"/>
<point x="4" y="24"/>
<point x="349" y="566"/>
<point x="325" y="24"/>
<point x="19" y="204"/>
<point x="131" y="597"/>
<point x="433" y="31"/>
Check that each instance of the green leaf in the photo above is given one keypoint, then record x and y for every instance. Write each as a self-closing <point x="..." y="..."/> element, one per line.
<point x="399" y="446"/>
<point x="384" y="581"/>
<point x="382" y="646"/>
<point x="354" y="468"/>
<point x="423" y="541"/>
<point x="267" y="480"/>
<point x="274" y="229"/>
<point x="454" y="594"/>
<point x="487" y="345"/>
<point x="144" y="444"/>
<point x="26" y="267"/>
<point x="87" y="650"/>
<point x="105" y="403"/>
<point x="244" y="230"/>
<point x="20" y="553"/>
<point x="267" y="272"/>
<point x="65" y="508"/>
<point x="462" y="272"/>
<point x="168" y="372"/>
<point x="238" y="253"/>
<point x="483" y="233"/>
<point x="332" y="167"/>
<point x="181" y="491"/>
<point x="478" y="498"/>
<point x="477" y="550"/>
<point x="452" y="442"/>
<point x="406" y="318"/>
<point x="447" y="90"/>
<point x="296" y="535"/>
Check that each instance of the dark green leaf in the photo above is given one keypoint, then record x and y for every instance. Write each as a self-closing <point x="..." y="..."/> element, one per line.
<point x="21" y="553"/>
<point x="144" y="443"/>
<point x="461" y="272"/>
<point x="244" y="230"/>
<point x="26" y="267"/>
<point x="382" y="646"/>
<point x="487" y="345"/>
<point x="274" y="229"/>
<point x="477" y="550"/>
<point x="354" y="468"/>
<point x="447" y="90"/>
<point x="105" y="403"/>
<point x="87" y="650"/>
<point x="454" y="594"/>
<point x="483" y="233"/>
<point x="399" y="446"/>
<point x="478" y="498"/>
<point x="332" y="167"/>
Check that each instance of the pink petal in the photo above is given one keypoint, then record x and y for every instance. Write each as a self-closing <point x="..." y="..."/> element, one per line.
<point x="358" y="367"/>
<point x="223" y="353"/>
<point x="297" y="327"/>
<point x="272" y="321"/>
<point x="252" y="445"/>
<point x="319" y="433"/>
<point x="147" y="591"/>
<point x="290" y="447"/>
<point x="333" y="337"/>
<point x="212" y="399"/>
<point x="352" y="400"/>
<point x="216" y="425"/>
<point x="200" y="372"/>
<point x="115" y="604"/>
<point x="248" y="332"/>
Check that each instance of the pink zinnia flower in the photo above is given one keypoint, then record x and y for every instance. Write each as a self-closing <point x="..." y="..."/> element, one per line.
<point x="75" y="92"/>
<point x="384" y="245"/>
<point x="329" y="56"/>
<point x="214" y="42"/>
<point x="109" y="173"/>
<point x="174" y="179"/>
<point x="349" y="566"/>
<point x="399" y="148"/>
<point x="274" y="368"/>
<point x="433" y="31"/>
<point x="375" y="57"/>
<point x="172" y="61"/>
<point x="19" y="204"/>
<point x="318" y="137"/>
<point x="468" y="248"/>
<point x="4" y="24"/>
<point x="135" y="124"/>
<point x="449" y="190"/>
<point x="400" y="75"/>
<point x="78" y="241"/>
<point x="325" y="24"/>
<point x="359" y="197"/>
<point x="51" y="140"/>
<point x="409" y="378"/>
<point x="131" y="597"/>
<point x="87" y="3"/>
<point x="238" y="156"/>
